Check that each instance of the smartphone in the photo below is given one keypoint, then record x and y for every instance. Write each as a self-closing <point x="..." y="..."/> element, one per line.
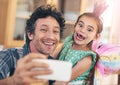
<point x="62" y="70"/>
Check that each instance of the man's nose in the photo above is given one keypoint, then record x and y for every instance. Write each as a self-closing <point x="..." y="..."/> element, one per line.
<point x="50" y="35"/>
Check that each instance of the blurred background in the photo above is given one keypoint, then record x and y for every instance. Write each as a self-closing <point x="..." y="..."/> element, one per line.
<point x="14" y="13"/>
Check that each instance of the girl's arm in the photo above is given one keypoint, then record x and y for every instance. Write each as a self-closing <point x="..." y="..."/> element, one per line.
<point x="81" y="67"/>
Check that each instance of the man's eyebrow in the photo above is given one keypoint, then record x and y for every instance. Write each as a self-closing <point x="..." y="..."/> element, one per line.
<point x="44" y="25"/>
<point x="48" y="26"/>
<point x="57" y="27"/>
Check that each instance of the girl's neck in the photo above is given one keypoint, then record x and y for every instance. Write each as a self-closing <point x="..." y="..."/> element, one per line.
<point x="80" y="47"/>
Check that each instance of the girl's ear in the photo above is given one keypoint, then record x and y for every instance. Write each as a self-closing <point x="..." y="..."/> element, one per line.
<point x="97" y="36"/>
<point x="30" y="36"/>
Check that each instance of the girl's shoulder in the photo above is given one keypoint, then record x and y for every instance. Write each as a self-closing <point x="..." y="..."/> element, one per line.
<point x="69" y="38"/>
<point x="90" y="53"/>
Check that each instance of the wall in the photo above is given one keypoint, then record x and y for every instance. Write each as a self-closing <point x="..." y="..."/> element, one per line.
<point x="116" y="23"/>
<point x="3" y="14"/>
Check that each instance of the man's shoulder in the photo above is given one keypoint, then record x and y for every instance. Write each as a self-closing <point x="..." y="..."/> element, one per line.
<point x="16" y="52"/>
<point x="11" y="50"/>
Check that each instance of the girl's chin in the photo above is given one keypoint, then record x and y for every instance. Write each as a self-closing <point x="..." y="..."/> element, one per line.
<point x="78" y="42"/>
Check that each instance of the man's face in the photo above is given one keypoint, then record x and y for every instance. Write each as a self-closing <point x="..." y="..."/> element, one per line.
<point x="46" y="35"/>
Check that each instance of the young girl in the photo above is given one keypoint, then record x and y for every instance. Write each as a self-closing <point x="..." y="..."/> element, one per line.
<point x="77" y="49"/>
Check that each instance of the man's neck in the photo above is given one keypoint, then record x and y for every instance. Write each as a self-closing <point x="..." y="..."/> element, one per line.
<point x="32" y="48"/>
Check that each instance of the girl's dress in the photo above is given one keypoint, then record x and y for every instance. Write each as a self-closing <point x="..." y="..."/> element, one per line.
<point x="73" y="56"/>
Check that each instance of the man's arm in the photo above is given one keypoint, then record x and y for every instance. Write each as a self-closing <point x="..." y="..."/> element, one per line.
<point x="7" y="81"/>
<point x="24" y="75"/>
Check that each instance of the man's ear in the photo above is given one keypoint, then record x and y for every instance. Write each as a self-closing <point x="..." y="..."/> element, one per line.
<point x="30" y="36"/>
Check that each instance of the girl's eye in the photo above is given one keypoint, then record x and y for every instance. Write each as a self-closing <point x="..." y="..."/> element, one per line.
<point x="80" y="24"/>
<point x="90" y="30"/>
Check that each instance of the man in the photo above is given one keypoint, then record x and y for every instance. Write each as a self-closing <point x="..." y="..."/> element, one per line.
<point x="43" y="31"/>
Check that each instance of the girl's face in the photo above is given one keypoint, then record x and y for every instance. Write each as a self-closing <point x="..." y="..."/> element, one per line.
<point x="85" y="30"/>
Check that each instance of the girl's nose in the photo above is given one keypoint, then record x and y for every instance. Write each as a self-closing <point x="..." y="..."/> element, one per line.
<point x="83" y="29"/>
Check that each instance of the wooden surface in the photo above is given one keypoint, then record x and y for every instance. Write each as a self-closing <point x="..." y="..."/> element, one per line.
<point x="3" y="14"/>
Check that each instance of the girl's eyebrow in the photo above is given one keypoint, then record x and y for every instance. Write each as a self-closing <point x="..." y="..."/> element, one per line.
<point x="80" y="22"/>
<point x="91" y="26"/>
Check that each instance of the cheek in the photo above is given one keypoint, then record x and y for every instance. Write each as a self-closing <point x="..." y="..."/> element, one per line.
<point x="38" y="36"/>
<point x="76" y="29"/>
<point x="57" y="37"/>
<point x="93" y="36"/>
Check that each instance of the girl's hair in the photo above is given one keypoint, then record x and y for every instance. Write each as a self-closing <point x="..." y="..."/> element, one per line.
<point x="90" y="78"/>
<point x="100" y="28"/>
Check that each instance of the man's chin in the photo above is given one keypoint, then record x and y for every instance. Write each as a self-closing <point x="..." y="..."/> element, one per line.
<point x="48" y="52"/>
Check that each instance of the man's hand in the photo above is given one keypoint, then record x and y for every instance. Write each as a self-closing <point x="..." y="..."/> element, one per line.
<point x="24" y="75"/>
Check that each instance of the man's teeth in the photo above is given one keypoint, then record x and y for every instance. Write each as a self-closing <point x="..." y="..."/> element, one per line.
<point x="48" y="43"/>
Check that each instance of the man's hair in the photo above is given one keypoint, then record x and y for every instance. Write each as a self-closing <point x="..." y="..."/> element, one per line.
<point x="43" y="12"/>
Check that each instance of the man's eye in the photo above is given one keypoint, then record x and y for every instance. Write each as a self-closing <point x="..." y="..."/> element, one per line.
<point x="43" y="30"/>
<point x="56" y="32"/>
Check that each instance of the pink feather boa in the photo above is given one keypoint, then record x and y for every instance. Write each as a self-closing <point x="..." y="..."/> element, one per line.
<point x="109" y="57"/>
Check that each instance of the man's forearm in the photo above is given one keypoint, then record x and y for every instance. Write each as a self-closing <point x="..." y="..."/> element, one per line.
<point x="7" y="81"/>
